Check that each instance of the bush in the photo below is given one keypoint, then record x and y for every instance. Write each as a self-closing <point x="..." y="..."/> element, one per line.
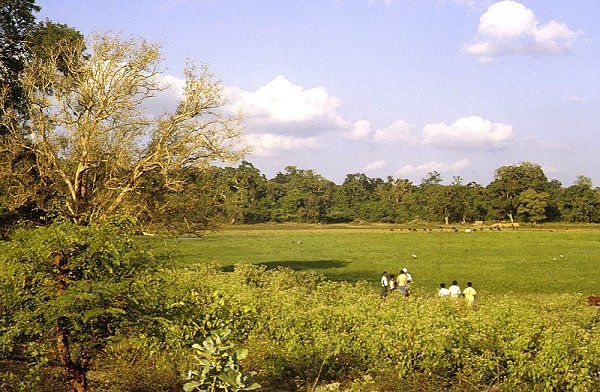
<point x="305" y="333"/>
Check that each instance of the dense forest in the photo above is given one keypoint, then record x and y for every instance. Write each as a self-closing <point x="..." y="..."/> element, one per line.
<point x="207" y="198"/>
<point x="243" y="195"/>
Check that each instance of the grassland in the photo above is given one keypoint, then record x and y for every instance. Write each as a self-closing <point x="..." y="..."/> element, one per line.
<point x="557" y="260"/>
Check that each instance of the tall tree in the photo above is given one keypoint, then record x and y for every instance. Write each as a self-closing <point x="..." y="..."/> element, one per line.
<point x="433" y="178"/>
<point x="584" y="181"/>
<point x="16" y="22"/>
<point x="532" y="205"/>
<point x="93" y="141"/>
<point x="244" y="193"/>
<point x="510" y="181"/>
<point x="39" y="42"/>
<point x="580" y="203"/>
<point x="307" y="195"/>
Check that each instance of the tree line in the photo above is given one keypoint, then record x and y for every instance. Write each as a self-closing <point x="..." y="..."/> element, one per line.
<point x="519" y="192"/>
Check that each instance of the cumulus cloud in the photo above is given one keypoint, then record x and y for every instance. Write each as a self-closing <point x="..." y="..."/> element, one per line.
<point x="375" y="165"/>
<point x="468" y="132"/>
<point x="282" y="116"/>
<point x="508" y="27"/>
<point x="282" y="101"/>
<point x="418" y="171"/>
<point x="360" y="131"/>
<point x="268" y="144"/>
<point x="396" y="133"/>
<point x="166" y="100"/>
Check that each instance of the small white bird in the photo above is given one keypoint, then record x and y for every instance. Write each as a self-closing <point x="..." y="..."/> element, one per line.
<point x="414" y="255"/>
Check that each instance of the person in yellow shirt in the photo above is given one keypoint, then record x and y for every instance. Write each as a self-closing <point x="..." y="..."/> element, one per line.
<point x="469" y="294"/>
<point x="402" y="282"/>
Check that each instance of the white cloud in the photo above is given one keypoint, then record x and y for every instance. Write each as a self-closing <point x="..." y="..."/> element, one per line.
<point x="360" y="131"/>
<point x="166" y="100"/>
<point x="466" y="132"/>
<point x="418" y="171"/>
<point x="268" y="144"/>
<point x="550" y="169"/>
<point x="396" y="133"/>
<point x="282" y="101"/>
<point x="508" y="27"/>
<point x="284" y="117"/>
<point x="375" y="165"/>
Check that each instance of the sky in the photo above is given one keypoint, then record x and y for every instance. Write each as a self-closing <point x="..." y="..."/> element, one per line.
<point x="395" y="88"/>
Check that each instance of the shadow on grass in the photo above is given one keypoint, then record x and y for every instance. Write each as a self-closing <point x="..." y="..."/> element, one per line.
<point x="300" y="265"/>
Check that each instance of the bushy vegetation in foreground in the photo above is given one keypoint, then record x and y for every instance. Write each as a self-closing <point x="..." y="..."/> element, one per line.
<point x="307" y="333"/>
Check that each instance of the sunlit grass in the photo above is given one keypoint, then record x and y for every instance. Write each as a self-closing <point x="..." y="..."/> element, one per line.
<point x="526" y="261"/>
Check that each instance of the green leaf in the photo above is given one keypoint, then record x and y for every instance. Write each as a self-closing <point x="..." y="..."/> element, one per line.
<point x="242" y="353"/>
<point x="191" y="386"/>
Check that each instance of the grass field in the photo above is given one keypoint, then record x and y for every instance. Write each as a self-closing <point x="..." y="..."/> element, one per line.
<point x="525" y="261"/>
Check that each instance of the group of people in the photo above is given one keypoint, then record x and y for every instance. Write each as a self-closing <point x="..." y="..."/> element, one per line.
<point x="402" y="283"/>
<point x="455" y="292"/>
<point x="391" y="283"/>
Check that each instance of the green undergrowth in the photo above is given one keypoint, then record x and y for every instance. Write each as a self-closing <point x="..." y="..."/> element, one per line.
<point x="306" y="333"/>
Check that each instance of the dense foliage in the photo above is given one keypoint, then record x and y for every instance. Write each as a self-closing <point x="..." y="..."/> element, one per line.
<point x="306" y="333"/>
<point x="68" y="289"/>
<point x="518" y="193"/>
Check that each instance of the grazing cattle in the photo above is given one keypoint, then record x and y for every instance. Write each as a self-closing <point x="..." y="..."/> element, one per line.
<point x="594" y="300"/>
<point x="499" y="226"/>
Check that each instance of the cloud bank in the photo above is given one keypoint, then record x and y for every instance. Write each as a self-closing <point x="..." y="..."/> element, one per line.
<point x="508" y="27"/>
<point x="468" y="132"/>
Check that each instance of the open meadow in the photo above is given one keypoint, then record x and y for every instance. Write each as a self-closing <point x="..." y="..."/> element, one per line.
<point x="527" y="261"/>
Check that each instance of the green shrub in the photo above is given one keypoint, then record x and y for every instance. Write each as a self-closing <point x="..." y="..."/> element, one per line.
<point x="218" y="368"/>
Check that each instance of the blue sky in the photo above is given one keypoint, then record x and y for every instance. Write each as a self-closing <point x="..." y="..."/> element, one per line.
<point x="387" y="87"/>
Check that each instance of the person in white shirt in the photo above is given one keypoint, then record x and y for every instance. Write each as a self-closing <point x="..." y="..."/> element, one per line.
<point x="384" y="285"/>
<point x="409" y="278"/>
<point x="392" y="281"/>
<point x="455" y="291"/>
<point x="443" y="291"/>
